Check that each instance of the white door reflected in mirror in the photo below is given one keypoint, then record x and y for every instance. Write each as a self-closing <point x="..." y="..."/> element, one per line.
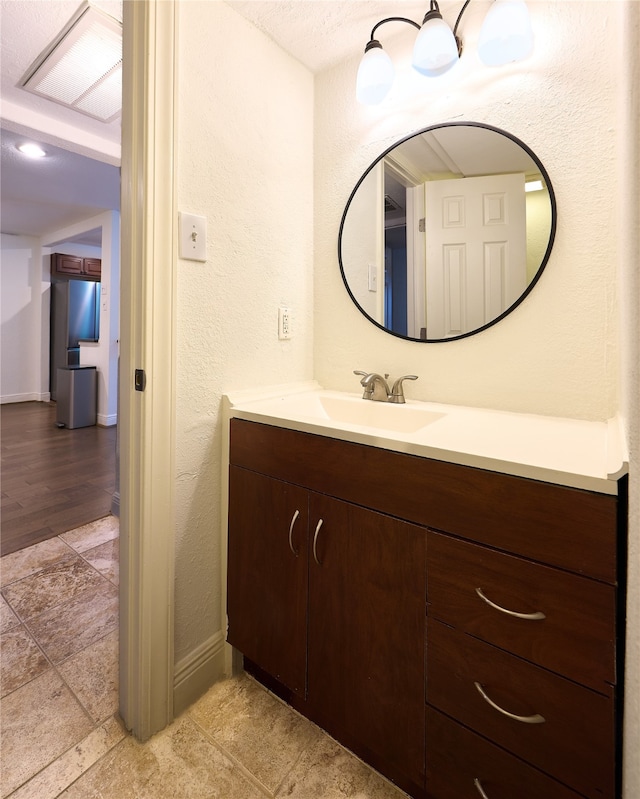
<point x="448" y="221"/>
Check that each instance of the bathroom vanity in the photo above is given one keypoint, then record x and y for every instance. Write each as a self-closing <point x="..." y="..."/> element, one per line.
<point x="453" y="617"/>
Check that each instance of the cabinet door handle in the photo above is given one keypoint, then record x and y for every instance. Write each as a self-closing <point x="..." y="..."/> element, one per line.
<point x="538" y="615"/>
<point x="315" y="543"/>
<point x="293" y="521"/>
<point x="480" y="789"/>
<point x="535" y="719"/>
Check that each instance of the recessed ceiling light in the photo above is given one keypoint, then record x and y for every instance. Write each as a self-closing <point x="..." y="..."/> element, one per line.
<point x="31" y="150"/>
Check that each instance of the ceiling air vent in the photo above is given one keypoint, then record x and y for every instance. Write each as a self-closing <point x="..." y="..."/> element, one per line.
<point x="82" y="68"/>
<point x="390" y="204"/>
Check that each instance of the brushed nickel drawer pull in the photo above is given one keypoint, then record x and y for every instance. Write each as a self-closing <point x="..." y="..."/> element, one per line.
<point x="529" y="616"/>
<point x="315" y="543"/>
<point x="293" y="521"/>
<point x="535" y="719"/>
<point x="480" y="789"/>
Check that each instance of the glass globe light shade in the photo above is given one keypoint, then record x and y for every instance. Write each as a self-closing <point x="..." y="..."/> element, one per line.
<point x="435" y="50"/>
<point x="375" y="75"/>
<point x="506" y="34"/>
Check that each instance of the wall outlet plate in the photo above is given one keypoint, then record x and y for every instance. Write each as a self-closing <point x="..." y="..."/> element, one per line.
<point x="284" y="323"/>
<point x="193" y="237"/>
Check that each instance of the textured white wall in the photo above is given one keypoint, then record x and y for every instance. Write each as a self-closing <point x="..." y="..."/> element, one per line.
<point x="24" y="315"/>
<point x="557" y="353"/>
<point x="245" y="162"/>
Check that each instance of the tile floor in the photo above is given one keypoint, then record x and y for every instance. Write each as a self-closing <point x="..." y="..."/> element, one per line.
<point x="61" y="735"/>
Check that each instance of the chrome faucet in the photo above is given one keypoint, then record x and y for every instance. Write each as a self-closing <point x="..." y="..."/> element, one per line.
<point x="376" y="387"/>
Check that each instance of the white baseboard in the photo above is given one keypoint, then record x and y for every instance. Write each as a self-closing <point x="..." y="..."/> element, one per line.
<point x="115" y="504"/>
<point x="31" y="397"/>
<point x="107" y="420"/>
<point x="197" y="672"/>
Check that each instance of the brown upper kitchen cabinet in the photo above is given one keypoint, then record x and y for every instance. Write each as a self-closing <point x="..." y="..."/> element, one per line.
<point x="73" y="266"/>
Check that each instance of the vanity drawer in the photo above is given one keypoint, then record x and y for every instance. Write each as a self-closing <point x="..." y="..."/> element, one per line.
<point x="576" y="637"/>
<point x="457" y="758"/>
<point x="574" y="743"/>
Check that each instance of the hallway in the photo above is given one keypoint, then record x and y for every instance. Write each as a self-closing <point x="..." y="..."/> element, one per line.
<point x="61" y="735"/>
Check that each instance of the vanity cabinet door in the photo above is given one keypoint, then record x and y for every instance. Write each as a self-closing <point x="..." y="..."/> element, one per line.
<point x="268" y="574"/>
<point x="367" y="594"/>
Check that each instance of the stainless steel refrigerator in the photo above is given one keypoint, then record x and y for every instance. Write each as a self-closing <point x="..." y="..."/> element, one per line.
<point x="75" y="316"/>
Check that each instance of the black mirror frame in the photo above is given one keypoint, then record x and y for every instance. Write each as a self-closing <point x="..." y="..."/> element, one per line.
<point x="540" y="270"/>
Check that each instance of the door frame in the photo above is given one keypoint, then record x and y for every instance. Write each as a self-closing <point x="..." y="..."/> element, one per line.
<point x="147" y="342"/>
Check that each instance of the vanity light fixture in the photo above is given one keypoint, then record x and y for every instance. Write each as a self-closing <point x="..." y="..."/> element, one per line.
<point x="506" y="33"/>
<point x="31" y="150"/>
<point x="505" y="36"/>
<point x="437" y="47"/>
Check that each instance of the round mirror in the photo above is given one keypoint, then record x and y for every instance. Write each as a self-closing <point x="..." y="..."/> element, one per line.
<point x="447" y="232"/>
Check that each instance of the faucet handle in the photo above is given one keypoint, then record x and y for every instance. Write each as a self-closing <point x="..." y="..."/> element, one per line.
<point x="368" y="390"/>
<point x="397" y="393"/>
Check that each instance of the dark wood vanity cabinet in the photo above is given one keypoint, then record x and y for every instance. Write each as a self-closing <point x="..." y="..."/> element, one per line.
<point x="73" y="266"/>
<point x="328" y="598"/>
<point x="427" y="614"/>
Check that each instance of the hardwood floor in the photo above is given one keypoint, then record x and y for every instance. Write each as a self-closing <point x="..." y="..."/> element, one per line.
<point x="53" y="479"/>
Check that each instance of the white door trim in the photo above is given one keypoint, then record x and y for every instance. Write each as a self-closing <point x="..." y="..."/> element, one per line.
<point x="147" y="428"/>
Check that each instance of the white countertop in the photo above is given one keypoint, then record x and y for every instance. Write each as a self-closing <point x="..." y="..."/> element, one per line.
<point x="570" y="452"/>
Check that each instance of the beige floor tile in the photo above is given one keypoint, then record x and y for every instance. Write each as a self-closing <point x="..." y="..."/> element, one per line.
<point x="93" y="534"/>
<point x="327" y="771"/>
<point x="21" y="564"/>
<point x="40" y="721"/>
<point x="21" y="659"/>
<point x="105" y="558"/>
<point x="178" y="763"/>
<point x="51" y="587"/>
<point x="71" y="627"/>
<point x="254" y="728"/>
<point x="8" y="618"/>
<point x="56" y="777"/>
<point x="92" y="675"/>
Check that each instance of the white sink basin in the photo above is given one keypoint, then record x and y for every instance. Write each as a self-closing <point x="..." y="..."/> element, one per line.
<point x="381" y="415"/>
<point x="351" y="409"/>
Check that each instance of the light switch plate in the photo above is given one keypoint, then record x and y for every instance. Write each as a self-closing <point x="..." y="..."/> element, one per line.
<point x="193" y="237"/>
<point x="373" y="277"/>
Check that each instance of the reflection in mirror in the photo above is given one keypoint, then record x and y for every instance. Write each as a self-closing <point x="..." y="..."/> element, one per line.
<point x="447" y="232"/>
